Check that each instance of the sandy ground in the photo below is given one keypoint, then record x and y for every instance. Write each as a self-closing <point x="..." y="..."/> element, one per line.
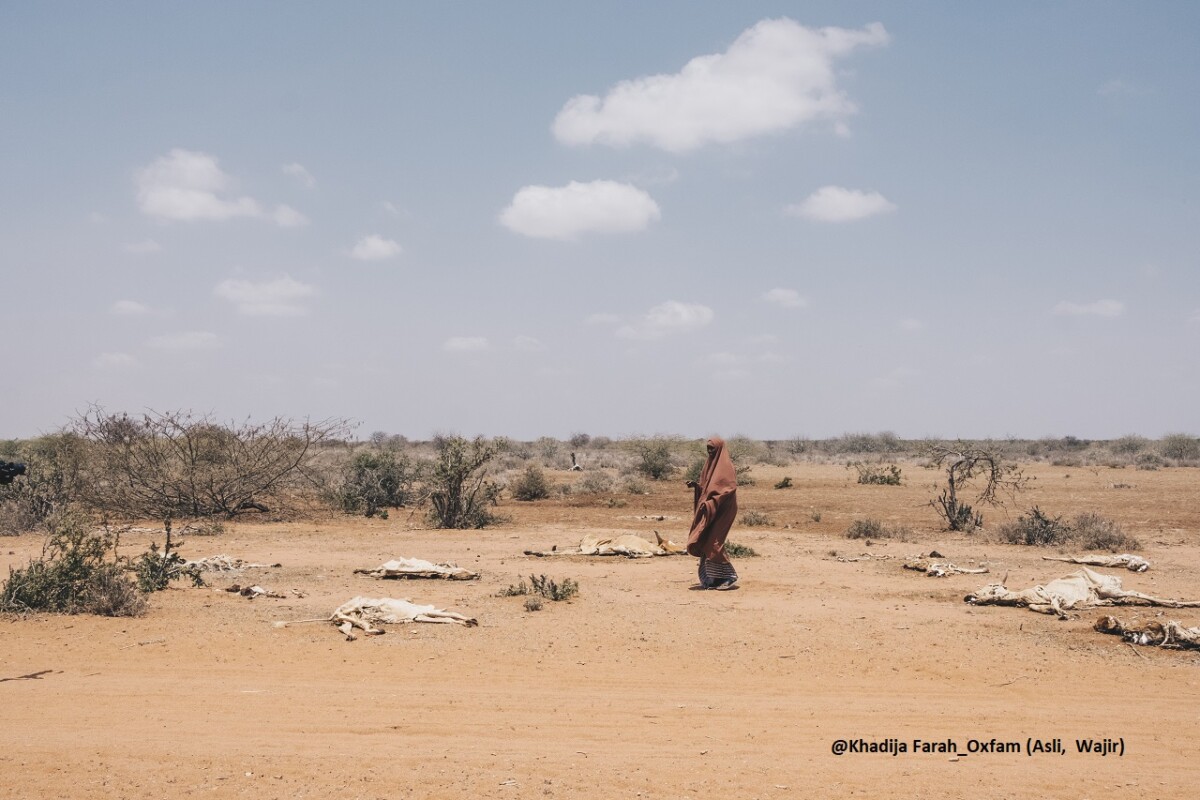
<point x="638" y="688"/>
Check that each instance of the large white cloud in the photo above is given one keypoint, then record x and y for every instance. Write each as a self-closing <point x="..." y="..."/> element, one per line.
<point x="281" y="297"/>
<point x="668" y="318"/>
<point x="187" y="185"/>
<point x="565" y="212"/>
<point x="835" y="204"/>
<point x="1100" y="308"/>
<point x="375" y="248"/>
<point x="778" y="74"/>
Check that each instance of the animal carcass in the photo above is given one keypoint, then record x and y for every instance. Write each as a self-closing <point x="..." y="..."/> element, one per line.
<point x="1130" y="562"/>
<point x="416" y="568"/>
<point x="1161" y="634"/>
<point x="366" y="612"/>
<point x="629" y="545"/>
<point x="1079" y="590"/>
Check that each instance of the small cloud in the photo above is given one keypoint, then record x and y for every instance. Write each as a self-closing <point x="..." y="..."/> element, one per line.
<point x="187" y="185"/>
<point x="288" y="217"/>
<point x="188" y="340"/>
<point x="375" y="248"/>
<point x="775" y="76"/>
<point x="281" y="297"/>
<point x="1100" y="308"/>
<point x="602" y="319"/>
<point x="836" y="204"/>
<point x="910" y="324"/>
<point x="393" y="209"/>
<point x="466" y="344"/>
<point x="114" y="361"/>
<point x="302" y="175"/>
<point x="128" y="308"/>
<point x="785" y="298"/>
<point x="668" y="318"/>
<point x="144" y="247"/>
<point x="528" y="344"/>
<point x="565" y="212"/>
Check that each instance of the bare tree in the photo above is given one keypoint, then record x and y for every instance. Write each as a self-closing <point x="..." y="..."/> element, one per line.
<point x="180" y="464"/>
<point x="966" y="467"/>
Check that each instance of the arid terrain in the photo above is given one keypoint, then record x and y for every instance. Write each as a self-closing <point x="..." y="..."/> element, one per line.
<point x="638" y="687"/>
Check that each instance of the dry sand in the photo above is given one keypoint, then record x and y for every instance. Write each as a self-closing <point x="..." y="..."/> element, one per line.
<point x="638" y="688"/>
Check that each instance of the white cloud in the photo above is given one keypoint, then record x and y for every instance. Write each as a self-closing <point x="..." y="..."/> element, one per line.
<point x="129" y="308"/>
<point x="1119" y="87"/>
<point x="466" y="344"/>
<point x="375" y="248"/>
<point x="188" y="340"/>
<point x="288" y="217"/>
<point x="776" y="75"/>
<point x="302" y="175"/>
<point x="835" y="204"/>
<point x="668" y="318"/>
<point x="528" y="343"/>
<point x="114" y="361"/>
<point x="785" y="298"/>
<point x="144" y="247"/>
<point x="911" y="324"/>
<point x="281" y="297"/>
<point x="564" y="212"/>
<point x="1100" y="308"/>
<point x="188" y="185"/>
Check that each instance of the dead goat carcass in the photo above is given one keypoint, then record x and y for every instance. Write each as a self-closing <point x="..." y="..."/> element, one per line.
<point x="1079" y="590"/>
<point x="1160" y="634"/>
<point x="629" y="545"/>
<point x="224" y="563"/>
<point x="1127" y="560"/>
<point x="366" y="613"/>
<point x="416" y="568"/>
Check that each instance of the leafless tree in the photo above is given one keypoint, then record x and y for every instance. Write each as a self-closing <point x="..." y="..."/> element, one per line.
<point x="181" y="464"/>
<point x="966" y="467"/>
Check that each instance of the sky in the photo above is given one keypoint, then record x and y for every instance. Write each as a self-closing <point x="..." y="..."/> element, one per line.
<point x="771" y="219"/>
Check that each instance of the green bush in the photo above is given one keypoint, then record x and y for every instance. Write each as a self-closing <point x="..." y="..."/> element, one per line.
<point x="735" y="550"/>
<point x="531" y="485"/>
<point x="544" y="587"/>
<point x="78" y="573"/>
<point x="459" y="489"/>
<point x="375" y="480"/>
<point x="596" y="482"/>
<point x="877" y="474"/>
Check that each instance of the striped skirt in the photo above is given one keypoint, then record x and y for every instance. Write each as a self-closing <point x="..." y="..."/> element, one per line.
<point x="714" y="573"/>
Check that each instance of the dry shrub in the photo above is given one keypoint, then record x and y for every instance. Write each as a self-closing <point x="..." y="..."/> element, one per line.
<point x="1094" y="532"/>
<point x="531" y="485"/>
<point x="871" y="528"/>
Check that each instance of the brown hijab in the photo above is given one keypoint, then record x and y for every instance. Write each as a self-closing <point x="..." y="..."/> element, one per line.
<point x="715" y="504"/>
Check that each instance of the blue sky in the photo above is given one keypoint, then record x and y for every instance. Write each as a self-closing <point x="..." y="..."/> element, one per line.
<point x="774" y="219"/>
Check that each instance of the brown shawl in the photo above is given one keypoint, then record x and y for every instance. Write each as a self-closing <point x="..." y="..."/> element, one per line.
<point x="714" y="504"/>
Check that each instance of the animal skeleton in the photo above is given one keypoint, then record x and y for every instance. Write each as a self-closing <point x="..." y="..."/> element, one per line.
<point x="1079" y="590"/>
<point x="1168" y="634"/>
<point x="416" y="568"/>
<point x="224" y="563"/>
<point x="940" y="569"/>
<point x="1130" y="562"/>
<point x="626" y="544"/>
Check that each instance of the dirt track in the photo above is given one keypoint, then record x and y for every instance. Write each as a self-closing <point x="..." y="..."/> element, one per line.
<point x="639" y="687"/>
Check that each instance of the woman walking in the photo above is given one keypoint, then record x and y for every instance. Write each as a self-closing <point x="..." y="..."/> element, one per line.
<point x="714" y="503"/>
